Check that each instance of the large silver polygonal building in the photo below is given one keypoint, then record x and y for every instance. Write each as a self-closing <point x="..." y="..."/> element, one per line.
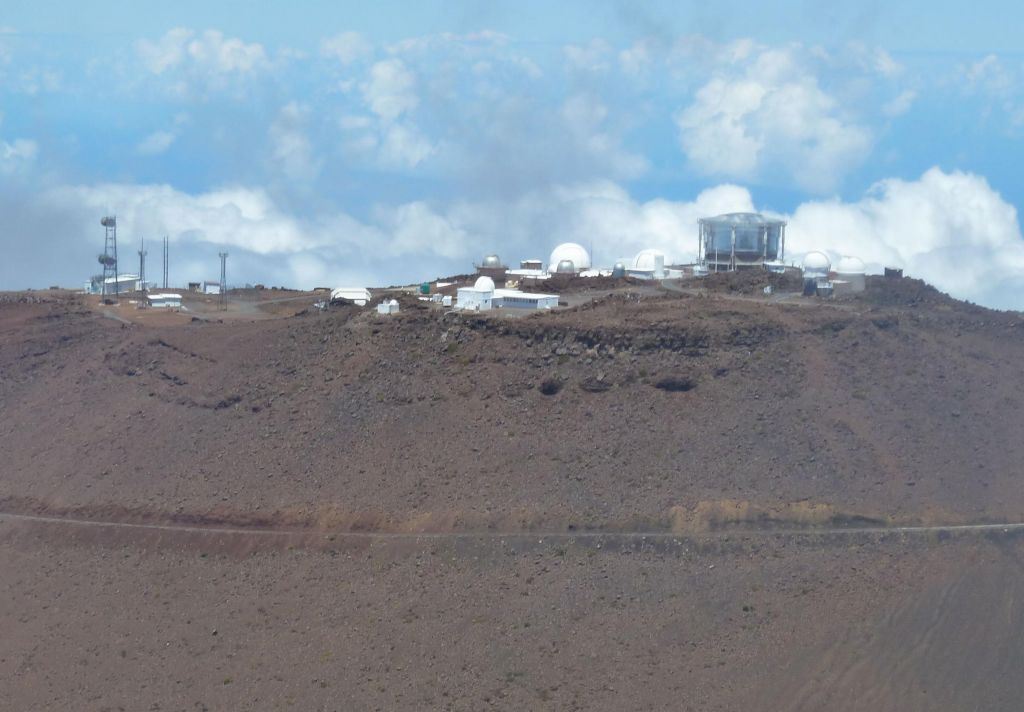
<point x="740" y="241"/>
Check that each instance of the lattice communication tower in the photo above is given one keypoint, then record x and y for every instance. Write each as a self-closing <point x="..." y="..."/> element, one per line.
<point x="109" y="257"/>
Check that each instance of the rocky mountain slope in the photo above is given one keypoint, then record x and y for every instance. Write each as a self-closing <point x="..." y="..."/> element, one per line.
<point x="663" y="498"/>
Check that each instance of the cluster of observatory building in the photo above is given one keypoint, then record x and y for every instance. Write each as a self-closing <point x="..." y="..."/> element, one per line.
<point x="726" y="243"/>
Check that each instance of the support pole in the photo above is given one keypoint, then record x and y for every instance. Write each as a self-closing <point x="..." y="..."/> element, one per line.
<point x="223" y="280"/>
<point x="142" y="265"/>
<point x="167" y="251"/>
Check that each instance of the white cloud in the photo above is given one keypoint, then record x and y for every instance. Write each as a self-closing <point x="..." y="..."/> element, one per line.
<point x="362" y="145"/>
<point x="595" y="56"/>
<point x="238" y="217"/>
<point x="598" y="214"/>
<point x="386" y="144"/>
<point x="404" y="146"/>
<point x="530" y="68"/>
<point x="585" y="116"/>
<point x="167" y="52"/>
<point x="989" y="74"/>
<point x="951" y="229"/>
<point x="637" y="58"/>
<point x="998" y="84"/>
<point x="346" y="47"/>
<point x="470" y="41"/>
<point x="156" y="143"/>
<point x="390" y="90"/>
<point x="221" y="54"/>
<point x="291" y="150"/>
<point x="267" y="243"/>
<point x="900" y="104"/>
<point x="6" y="50"/>
<point x="406" y="242"/>
<point x="208" y="51"/>
<point x="875" y="59"/>
<point x="17" y="155"/>
<point x="37" y="80"/>
<point x="388" y="138"/>
<point x="885" y="64"/>
<point x="350" y="122"/>
<point x="714" y="132"/>
<point x="414" y="226"/>
<point x="604" y="216"/>
<point x="765" y="114"/>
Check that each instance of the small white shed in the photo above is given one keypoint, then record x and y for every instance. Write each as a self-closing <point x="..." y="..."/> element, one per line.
<point x="388" y="306"/>
<point x="359" y="296"/>
<point x="514" y="299"/>
<point x="164" y="300"/>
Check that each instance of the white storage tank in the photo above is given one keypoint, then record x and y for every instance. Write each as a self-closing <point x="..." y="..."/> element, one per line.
<point x="852" y="273"/>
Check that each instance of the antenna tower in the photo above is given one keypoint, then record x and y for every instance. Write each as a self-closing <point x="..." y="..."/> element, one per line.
<point x="142" y="265"/>
<point x="166" y="255"/>
<point x="223" y="280"/>
<point x="109" y="257"/>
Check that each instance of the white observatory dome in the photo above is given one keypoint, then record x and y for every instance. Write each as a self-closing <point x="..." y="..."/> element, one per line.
<point x="850" y="265"/>
<point x="816" y="263"/>
<point x="569" y="251"/>
<point x="484" y="284"/>
<point x="648" y="259"/>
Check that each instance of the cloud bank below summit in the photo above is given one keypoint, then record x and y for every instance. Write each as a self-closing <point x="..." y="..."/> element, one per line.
<point x="950" y="228"/>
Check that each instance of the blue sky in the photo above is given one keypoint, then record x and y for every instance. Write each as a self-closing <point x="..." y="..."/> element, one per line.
<point x="336" y="143"/>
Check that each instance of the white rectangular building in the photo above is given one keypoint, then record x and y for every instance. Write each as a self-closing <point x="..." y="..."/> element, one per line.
<point x="359" y="296"/>
<point x="514" y="299"/>
<point x="161" y="300"/>
<point x="124" y="283"/>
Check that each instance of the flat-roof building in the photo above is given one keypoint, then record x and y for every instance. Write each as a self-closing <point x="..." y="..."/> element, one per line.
<point x="514" y="299"/>
<point x="483" y="296"/>
<point x="123" y="283"/>
<point x="360" y="296"/>
<point x="164" y="300"/>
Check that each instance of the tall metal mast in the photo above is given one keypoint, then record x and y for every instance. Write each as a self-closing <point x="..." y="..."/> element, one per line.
<point x="142" y="264"/>
<point x="166" y="256"/>
<point x="223" y="280"/>
<point x="109" y="257"/>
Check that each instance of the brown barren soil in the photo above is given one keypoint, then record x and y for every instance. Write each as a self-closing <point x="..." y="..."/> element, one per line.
<point x="659" y="499"/>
